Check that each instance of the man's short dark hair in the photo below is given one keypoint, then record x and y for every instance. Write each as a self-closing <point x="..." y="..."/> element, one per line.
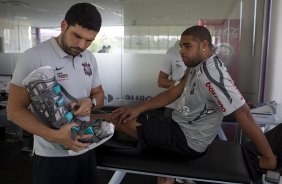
<point x="84" y="14"/>
<point x="199" y="33"/>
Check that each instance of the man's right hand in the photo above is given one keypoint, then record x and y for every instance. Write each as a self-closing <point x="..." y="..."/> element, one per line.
<point x="267" y="163"/>
<point x="63" y="137"/>
<point x="124" y="115"/>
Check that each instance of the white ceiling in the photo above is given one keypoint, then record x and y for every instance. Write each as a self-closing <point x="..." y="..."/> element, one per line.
<point x="50" y="13"/>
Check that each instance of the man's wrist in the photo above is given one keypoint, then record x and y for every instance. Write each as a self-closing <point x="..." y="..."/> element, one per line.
<point x="176" y="83"/>
<point x="93" y="101"/>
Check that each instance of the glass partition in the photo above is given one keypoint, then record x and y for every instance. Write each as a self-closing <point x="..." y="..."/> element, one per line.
<point x="152" y="27"/>
<point x="135" y="36"/>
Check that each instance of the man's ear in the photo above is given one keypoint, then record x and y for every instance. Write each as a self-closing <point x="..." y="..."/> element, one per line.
<point x="64" y="25"/>
<point x="205" y="45"/>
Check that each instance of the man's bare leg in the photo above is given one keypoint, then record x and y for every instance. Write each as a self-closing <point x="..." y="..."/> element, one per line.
<point x="164" y="180"/>
<point x="128" y="128"/>
<point x="106" y="117"/>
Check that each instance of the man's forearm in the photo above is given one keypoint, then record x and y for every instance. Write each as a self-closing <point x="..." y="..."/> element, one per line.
<point x="158" y="101"/>
<point x="99" y="101"/>
<point x="254" y="132"/>
<point x="29" y="122"/>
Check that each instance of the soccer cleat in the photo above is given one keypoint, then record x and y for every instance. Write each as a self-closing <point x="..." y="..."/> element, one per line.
<point x="48" y="103"/>
<point x="47" y="99"/>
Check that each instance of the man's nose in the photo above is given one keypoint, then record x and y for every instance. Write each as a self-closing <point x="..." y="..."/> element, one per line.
<point x="180" y="49"/>
<point x="81" y="43"/>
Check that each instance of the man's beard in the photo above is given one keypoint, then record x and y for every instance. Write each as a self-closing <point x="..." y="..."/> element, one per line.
<point x="73" y="51"/>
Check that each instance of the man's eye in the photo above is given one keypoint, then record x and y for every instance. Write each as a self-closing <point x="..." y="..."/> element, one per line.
<point x="76" y="36"/>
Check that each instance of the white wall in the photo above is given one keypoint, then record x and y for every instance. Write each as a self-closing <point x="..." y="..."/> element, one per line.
<point x="273" y="86"/>
<point x="129" y="76"/>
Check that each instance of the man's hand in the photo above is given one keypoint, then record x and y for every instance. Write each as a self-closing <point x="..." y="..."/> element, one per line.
<point x="124" y="115"/>
<point x="248" y="124"/>
<point x="83" y="107"/>
<point x="267" y="163"/>
<point x="63" y="137"/>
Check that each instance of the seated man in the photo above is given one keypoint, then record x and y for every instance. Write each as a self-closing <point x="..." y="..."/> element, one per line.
<point x="207" y="94"/>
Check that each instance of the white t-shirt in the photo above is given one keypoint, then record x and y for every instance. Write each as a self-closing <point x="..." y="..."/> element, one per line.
<point x="175" y="68"/>
<point x="78" y="75"/>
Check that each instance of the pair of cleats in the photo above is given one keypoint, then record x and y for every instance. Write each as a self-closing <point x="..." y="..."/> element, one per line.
<point x="47" y="98"/>
<point x="48" y="103"/>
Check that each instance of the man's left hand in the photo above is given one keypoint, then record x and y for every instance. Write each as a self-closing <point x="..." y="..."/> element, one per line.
<point x="83" y="107"/>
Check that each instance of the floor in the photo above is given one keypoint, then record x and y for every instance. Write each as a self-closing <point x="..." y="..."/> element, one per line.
<point x="16" y="166"/>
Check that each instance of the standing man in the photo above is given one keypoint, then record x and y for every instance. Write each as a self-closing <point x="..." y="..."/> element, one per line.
<point x="76" y="70"/>
<point x="172" y="70"/>
<point x="207" y="94"/>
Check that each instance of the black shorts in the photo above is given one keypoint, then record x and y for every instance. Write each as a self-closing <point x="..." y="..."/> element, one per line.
<point x="71" y="170"/>
<point x="162" y="134"/>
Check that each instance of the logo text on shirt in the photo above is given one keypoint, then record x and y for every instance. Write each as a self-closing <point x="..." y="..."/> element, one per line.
<point x="210" y="88"/>
<point x="62" y="76"/>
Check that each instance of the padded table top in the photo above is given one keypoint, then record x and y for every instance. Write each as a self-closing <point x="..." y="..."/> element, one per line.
<point x="223" y="162"/>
